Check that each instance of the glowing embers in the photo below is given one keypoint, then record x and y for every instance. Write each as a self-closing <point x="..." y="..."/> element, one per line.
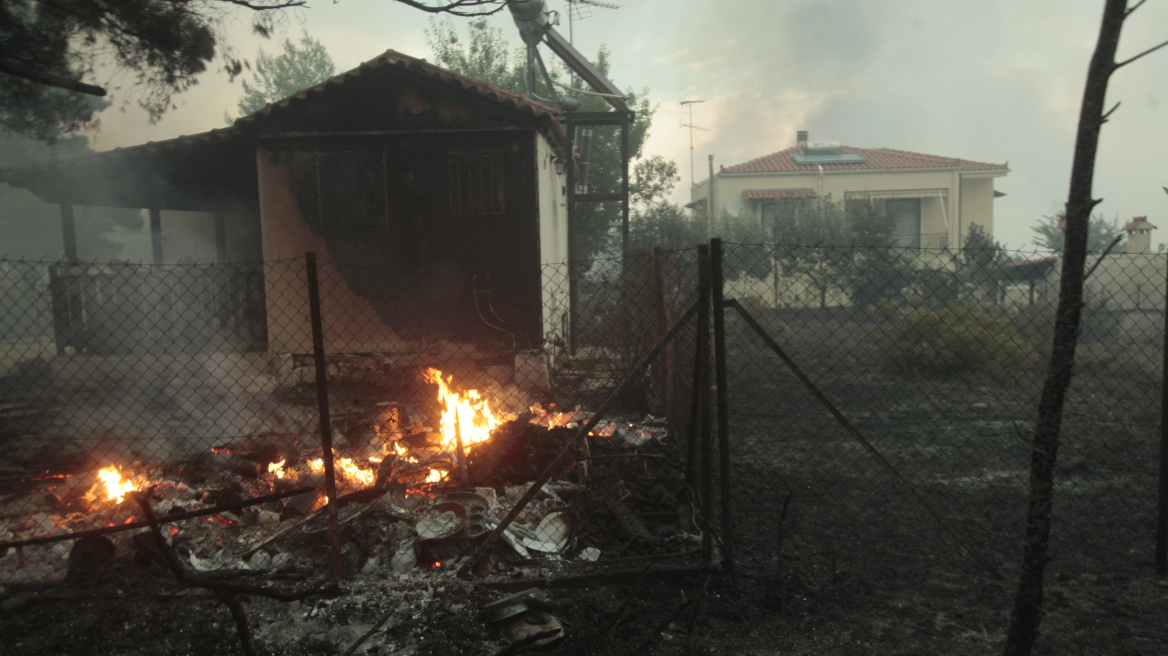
<point x="116" y="488"/>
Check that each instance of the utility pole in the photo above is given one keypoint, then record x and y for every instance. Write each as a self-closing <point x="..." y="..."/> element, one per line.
<point x="691" y="126"/>
<point x="710" y="197"/>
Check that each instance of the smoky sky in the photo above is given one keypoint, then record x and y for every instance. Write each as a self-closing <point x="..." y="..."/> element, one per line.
<point x="993" y="81"/>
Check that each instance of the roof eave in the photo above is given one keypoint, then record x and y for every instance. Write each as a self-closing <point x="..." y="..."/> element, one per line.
<point x="747" y="174"/>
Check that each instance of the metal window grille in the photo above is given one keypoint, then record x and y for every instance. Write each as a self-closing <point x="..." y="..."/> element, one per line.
<point x="476" y="184"/>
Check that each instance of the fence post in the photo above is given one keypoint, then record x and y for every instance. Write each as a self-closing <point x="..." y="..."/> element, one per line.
<point x="699" y="437"/>
<point x="322" y="400"/>
<point x="717" y="282"/>
<point x="1161" y="557"/>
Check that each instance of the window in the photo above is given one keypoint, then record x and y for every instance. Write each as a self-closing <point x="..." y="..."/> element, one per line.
<point x="906" y="221"/>
<point x="351" y="192"/>
<point x="476" y="183"/>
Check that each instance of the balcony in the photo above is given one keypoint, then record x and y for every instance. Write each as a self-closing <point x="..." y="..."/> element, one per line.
<point x="935" y="241"/>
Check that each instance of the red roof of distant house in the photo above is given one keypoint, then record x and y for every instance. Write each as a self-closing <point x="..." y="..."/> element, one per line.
<point x="763" y="194"/>
<point x="1139" y="223"/>
<point x="874" y="158"/>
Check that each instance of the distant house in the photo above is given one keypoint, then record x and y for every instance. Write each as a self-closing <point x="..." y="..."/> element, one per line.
<point x="934" y="200"/>
<point x="1124" y="295"/>
<point x="454" y="185"/>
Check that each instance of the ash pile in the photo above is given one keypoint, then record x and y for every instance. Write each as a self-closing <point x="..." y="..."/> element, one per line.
<point x="419" y="488"/>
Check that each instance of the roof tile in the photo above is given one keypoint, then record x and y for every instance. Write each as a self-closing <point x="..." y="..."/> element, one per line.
<point x="874" y="158"/>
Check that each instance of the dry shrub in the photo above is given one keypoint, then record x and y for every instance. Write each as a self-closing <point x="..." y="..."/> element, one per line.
<point x="967" y="340"/>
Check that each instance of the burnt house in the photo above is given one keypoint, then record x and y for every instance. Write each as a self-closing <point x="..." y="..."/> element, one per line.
<point x="431" y="199"/>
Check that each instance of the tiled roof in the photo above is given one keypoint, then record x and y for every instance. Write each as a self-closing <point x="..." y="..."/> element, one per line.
<point x="762" y="194"/>
<point x="393" y="59"/>
<point x="874" y="158"/>
<point x="240" y="128"/>
<point x="1139" y="223"/>
<point x="212" y="137"/>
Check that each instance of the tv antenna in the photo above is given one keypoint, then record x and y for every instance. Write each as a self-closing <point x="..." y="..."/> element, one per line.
<point x="581" y="9"/>
<point x="689" y="104"/>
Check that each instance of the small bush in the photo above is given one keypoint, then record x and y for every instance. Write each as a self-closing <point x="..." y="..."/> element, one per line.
<point x="960" y="341"/>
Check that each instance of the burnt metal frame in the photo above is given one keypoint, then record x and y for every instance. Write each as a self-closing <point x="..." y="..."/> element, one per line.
<point x="573" y="120"/>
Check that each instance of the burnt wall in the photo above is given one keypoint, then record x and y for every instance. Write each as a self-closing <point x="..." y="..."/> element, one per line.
<point x="418" y="225"/>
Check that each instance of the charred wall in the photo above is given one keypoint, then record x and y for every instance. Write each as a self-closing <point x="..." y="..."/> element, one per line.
<point x="418" y="226"/>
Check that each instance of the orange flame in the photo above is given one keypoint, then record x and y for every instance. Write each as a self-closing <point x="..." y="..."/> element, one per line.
<point x="276" y="468"/>
<point x="115" y="488"/>
<point x="354" y="473"/>
<point x="471" y="412"/>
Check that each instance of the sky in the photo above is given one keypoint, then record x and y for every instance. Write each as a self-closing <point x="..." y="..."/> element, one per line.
<point x="992" y="81"/>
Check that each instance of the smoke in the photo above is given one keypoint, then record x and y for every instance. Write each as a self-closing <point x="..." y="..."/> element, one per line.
<point x="999" y="81"/>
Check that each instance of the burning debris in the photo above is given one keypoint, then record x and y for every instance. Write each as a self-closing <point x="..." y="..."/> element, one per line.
<point x="419" y="487"/>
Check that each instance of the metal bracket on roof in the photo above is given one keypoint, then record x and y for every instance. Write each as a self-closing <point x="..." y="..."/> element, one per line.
<point x="531" y="17"/>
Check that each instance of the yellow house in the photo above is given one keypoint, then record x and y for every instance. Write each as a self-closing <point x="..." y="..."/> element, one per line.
<point x="933" y="199"/>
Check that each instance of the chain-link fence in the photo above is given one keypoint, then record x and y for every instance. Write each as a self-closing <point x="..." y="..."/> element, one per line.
<point x="936" y="359"/>
<point x="244" y="397"/>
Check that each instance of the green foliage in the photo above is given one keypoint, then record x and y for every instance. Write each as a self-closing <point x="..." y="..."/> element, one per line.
<point x="833" y="246"/>
<point x="751" y="256"/>
<point x="982" y="264"/>
<point x="666" y="226"/>
<point x="162" y="45"/>
<point x="300" y="66"/>
<point x="1100" y="232"/>
<point x="484" y="55"/>
<point x="964" y="340"/>
<point x="869" y="226"/>
<point x="875" y="271"/>
<point x="652" y="178"/>
<point x="32" y="229"/>
<point x="811" y="240"/>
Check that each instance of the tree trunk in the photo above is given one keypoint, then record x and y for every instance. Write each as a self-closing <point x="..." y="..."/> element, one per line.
<point x="1027" y="612"/>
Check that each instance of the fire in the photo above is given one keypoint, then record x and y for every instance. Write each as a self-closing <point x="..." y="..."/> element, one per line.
<point x="347" y="469"/>
<point x="471" y="412"/>
<point x="115" y="488"/>
<point x="435" y="476"/>
<point x="276" y="468"/>
<point x="355" y="473"/>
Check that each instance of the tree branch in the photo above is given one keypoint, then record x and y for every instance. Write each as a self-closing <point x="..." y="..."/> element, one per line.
<point x="256" y="7"/>
<point x="1131" y="10"/>
<point x="1116" y="67"/>
<point x="1108" y="113"/>
<point x="459" y="7"/>
<point x="48" y="79"/>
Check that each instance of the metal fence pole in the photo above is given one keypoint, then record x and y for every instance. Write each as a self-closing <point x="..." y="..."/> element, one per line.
<point x="717" y="283"/>
<point x="1161" y="557"/>
<point x="702" y="401"/>
<point x="322" y="400"/>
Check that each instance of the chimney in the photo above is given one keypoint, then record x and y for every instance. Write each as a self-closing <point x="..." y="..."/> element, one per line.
<point x="1139" y="235"/>
<point x="801" y="137"/>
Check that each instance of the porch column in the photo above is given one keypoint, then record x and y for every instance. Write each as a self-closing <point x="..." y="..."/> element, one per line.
<point x="156" y="233"/>
<point x="68" y="232"/>
<point x="220" y="237"/>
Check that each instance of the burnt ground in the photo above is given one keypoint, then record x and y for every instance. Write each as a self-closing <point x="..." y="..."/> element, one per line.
<point x="854" y="567"/>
